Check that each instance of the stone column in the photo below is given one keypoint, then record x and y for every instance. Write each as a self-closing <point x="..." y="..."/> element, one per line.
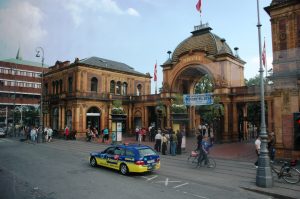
<point x="235" y="131"/>
<point x="76" y="114"/>
<point x="168" y="114"/>
<point x="270" y="116"/>
<point x="245" y="130"/>
<point x="225" y="133"/>
<point x="130" y="117"/>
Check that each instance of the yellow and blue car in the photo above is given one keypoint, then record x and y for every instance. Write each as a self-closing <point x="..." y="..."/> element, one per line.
<point x="127" y="158"/>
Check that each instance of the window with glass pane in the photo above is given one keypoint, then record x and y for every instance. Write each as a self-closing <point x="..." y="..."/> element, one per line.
<point x="94" y="84"/>
<point x="112" y="86"/>
<point x="70" y="81"/>
<point x="118" y="88"/>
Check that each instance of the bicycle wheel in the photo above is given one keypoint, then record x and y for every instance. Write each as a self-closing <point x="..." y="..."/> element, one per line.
<point x="192" y="159"/>
<point x="291" y="175"/>
<point x="211" y="163"/>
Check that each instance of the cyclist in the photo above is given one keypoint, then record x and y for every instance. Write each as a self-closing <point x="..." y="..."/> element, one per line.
<point x="205" y="145"/>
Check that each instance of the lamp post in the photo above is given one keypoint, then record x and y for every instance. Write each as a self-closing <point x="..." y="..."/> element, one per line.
<point x="38" y="51"/>
<point x="263" y="173"/>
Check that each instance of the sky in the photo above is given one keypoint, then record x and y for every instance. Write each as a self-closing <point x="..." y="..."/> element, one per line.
<point x="136" y="32"/>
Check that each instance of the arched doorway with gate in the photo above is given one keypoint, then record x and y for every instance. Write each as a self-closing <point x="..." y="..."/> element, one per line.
<point x="93" y="116"/>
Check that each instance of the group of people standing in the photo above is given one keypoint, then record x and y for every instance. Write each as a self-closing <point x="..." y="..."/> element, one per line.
<point x="92" y="132"/>
<point x="168" y="138"/>
<point x="271" y="147"/>
<point x="32" y="133"/>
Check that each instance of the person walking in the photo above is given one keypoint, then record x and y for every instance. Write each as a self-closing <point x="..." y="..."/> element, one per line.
<point x="157" y="142"/>
<point x="67" y="133"/>
<point x="49" y="134"/>
<point x="173" y="144"/>
<point x="105" y="135"/>
<point x="271" y="146"/>
<point x="179" y="141"/>
<point x="164" y="144"/>
<point x="33" y="134"/>
<point x="257" y="149"/>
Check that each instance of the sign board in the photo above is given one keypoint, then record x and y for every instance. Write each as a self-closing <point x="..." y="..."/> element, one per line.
<point x="119" y="131"/>
<point x="198" y="99"/>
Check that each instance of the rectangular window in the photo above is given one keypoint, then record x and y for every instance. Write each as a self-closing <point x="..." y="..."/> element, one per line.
<point x="298" y="30"/>
<point x="70" y="84"/>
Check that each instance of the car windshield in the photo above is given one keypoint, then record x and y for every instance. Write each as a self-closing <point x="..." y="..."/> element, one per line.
<point x="146" y="152"/>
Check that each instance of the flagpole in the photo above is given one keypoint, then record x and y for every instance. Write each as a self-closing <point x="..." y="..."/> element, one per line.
<point x="156" y="77"/>
<point x="266" y="57"/>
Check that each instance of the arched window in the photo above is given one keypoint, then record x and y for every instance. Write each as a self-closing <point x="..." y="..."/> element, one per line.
<point x="53" y="88"/>
<point x="68" y="119"/>
<point x="56" y="87"/>
<point x="60" y="86"/>
<point x="70" y="84"/>
<point x="124" y="92"/>
<point x="139" y="90"/>
<point x="118" y="88"/>
<point x="112" y="86"/>
<point x="94" y="84"/>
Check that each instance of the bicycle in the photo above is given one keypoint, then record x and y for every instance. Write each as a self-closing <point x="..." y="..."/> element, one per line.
<point x="289" y="174"/>
<point x="193" y="158"/>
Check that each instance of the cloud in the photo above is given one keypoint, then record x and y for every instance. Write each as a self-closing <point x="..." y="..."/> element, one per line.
<point x="133" y="12"/>
<point x="78" y="9"/>
<point x="20" y="22"/>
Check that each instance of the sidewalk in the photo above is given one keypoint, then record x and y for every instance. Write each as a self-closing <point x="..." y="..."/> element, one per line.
<point x="230" y="151"/>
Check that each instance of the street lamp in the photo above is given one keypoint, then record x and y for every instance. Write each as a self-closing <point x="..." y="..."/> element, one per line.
<point x="263" y="173"/>
<point x="38" y="51"/>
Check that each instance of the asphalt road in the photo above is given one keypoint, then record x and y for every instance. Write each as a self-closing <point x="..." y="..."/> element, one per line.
<point x="60" y="170"/>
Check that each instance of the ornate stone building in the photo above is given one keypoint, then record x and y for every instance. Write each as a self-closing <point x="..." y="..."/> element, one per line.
<point x="82" y="93"/>
<point x="285" y="23"/>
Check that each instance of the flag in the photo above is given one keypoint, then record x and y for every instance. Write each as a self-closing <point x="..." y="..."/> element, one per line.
<point x="263" y="55"/>
<point x="155" y="72"/>
<point x="198" y="6"/>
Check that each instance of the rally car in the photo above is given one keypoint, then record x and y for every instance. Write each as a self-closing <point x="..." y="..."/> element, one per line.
<point x="127" y="158"/>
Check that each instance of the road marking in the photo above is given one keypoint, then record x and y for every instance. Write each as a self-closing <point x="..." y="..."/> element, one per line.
<point x="199" y="196"/>
<point x="181" y="185"/>
<point x="148" y="179"/>
<point x="167" y="181"/>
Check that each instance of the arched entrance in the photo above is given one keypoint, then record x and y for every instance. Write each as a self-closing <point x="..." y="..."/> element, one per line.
<point x="93" y="118"/>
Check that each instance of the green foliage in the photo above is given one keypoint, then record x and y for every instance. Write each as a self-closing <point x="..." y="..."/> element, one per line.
<point x="209" y="113"/>
<point x="117" y="107"/>
<point x="205" y="85"/>
<point x="177" y="105"/>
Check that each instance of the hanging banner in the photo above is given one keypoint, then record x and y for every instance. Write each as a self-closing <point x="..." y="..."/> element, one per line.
<point x="198" y="99"/>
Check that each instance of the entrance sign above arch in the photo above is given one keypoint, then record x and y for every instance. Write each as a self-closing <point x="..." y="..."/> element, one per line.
<point x="198" y="99"/>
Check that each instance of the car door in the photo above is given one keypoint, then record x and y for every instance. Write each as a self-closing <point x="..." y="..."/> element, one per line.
<point x="111" y="160"/>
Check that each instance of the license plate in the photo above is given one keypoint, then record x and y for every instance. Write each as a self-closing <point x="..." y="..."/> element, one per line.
<point x="150" y="161"/>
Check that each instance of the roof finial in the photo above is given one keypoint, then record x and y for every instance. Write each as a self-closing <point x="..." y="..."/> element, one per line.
<point x="169" y="52"/>
<point x="19" y="57"/>
<point x="237" y="52"/>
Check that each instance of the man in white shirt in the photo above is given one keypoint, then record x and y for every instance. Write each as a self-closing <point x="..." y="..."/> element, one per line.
<point x="257" y="149"/>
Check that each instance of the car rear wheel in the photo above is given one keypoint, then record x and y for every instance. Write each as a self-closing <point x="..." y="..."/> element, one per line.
<point x="124" y="169"/>
<point x="93" y="161"/>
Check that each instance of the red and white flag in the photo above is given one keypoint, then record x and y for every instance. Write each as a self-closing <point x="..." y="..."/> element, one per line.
<point x="198" y="6"/>
<point x="155" y="72"/>
<point x="263" y="55"/>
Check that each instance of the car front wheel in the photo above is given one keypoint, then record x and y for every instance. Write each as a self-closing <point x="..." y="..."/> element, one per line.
<point x="123" y="169"/>
<point x="93" y="161"/>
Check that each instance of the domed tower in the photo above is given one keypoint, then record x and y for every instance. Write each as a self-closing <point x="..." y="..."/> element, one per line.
<point x="202" y="53"/>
